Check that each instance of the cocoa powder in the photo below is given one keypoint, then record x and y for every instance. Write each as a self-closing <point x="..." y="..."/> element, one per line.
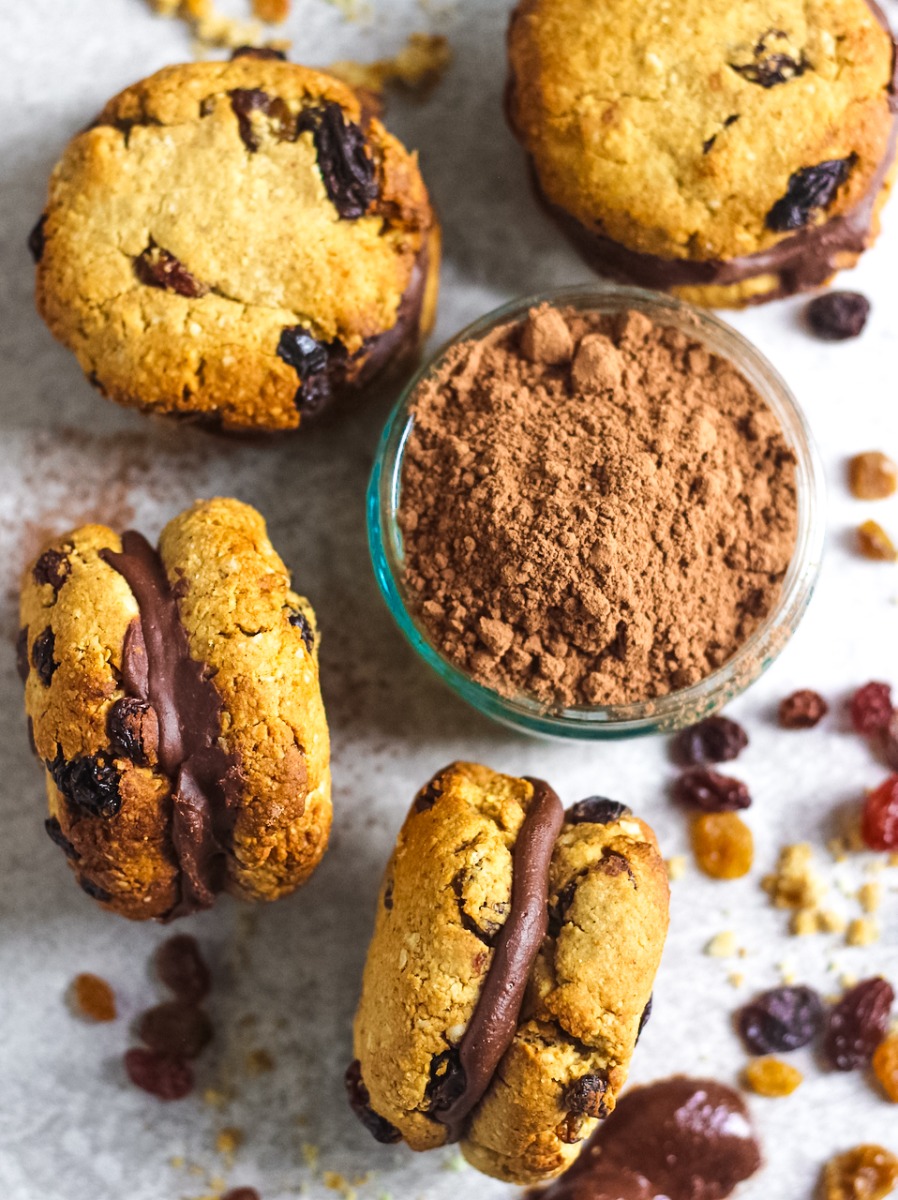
<point x="595" y="509"/>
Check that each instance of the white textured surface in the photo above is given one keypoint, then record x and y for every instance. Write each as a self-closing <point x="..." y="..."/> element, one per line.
<point x="70" y="1125"/>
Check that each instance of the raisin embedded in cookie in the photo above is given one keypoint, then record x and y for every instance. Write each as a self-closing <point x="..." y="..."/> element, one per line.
<point x="730" y="153"/>
<point x="173" y="698"/>
<point x="236" y="243"/>
<point x="510" y="973"/>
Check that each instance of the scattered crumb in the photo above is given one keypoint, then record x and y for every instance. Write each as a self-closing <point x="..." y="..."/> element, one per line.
<point x="676" y="867"/>
<point x="213" y="30"/>
<point x="848" y="980"/>
<point x="337" y="1183"/>
<point x="455" y="1162"/>
<point x="787" y="972"/>
<point x="188" y="10"/>
<point x="870" y="896"/>
<point x="215" y="1098"/>
<point x="310" y="1155"/>
<point x="418" y="67"/>
<point x="176" y="1161"/>
<point x="863" y="931"/>
<point x="722" y="945"/>
<point x="273" y="12"/>
<point x="817" y="920"/>
<point x="259" y="1062"/>
<point x="893" y="860"/>
<point x="228" y="1141"/>
<point x="796" y="882"/>
<point x="736" y="979"/>
<point x="830" y="921"/>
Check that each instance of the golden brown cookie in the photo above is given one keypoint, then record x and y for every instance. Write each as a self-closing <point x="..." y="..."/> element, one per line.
<point x="173" y="697"/>
<point x="236" y="242"/>
<point x="731" y="153"/>
<point x="494" y="892"/>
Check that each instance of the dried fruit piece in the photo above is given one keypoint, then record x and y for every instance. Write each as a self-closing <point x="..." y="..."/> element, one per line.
<point x="255" y="110"/>
<point x="872" y="476"/>
<point x="890" y="742"/>
<point x="301" y="622"/>
<point x="596" y="810"/>
<point x="42" y="651"/>
<point x="93" y="997"/>
<point x="858" y="1023"/>
<point x="157" y="268"/>
<point x="879" y="822"/>
<point x="713" y="740"/>
<point x="176" y="1028"/>
<point x="723" y="845"/>
<point x="771" y="66"/>
<point x="836" y="316"/>
<point x="772" y="1077"/>
<point x="810" y="189"/>
<point x="585" y="1096"/>
<point x="241" y="1193"/>
<point x="164" y="1077"/>
<point x="360" y="1103"/>
<point x="711" y="791"/>
<point x="22" y="654"/>
<point x="52" y="567"/>
<point x="93" y="889"/>
<point x="346" y="168"/>
<point x="780" y="1020"/>
<point x="873" y="542"/>
<point x="89" y="783"/>
<point x="37" y="240"/>
<point x="802" y="710"/>
<point x="312" y="360"/>
<point x="182" y="968"/>
<point x="862" y="1173"/>
<point x="871" y="708"/>
<point x="885" y="1066"/>
<point x="133" y="729"/>
<point x="55" y="834"/>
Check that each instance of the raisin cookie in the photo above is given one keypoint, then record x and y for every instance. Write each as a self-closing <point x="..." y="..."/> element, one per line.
<point x="730" y="153"/>
<point x="236" y="243"/>
<point x="173" y="697"/>
<point x="510" y="972"/>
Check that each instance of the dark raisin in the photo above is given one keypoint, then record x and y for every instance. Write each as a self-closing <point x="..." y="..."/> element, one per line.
<point x="42" y="659"/>
<point x="360" y="1103"/>
<point x="710" y="791"/>
<point x="311" y="360"/>
<point x="301" y="622"/>
<point x="254" y="108"/>
<point x="486" y="927"/>
<point x="447" y="1081"/>
<point x="810" y="189"/>
<point x="133" y="729"/>
<point x="29" y="727"/>
<point x="857" y="1024"/>
<point x="713" y="740"/>
<point x="346" y="168"/>
<point x="176" y="1028"/>
<point x="93" y="889"/>
<point x="388" y="896"/>
<point x="871" y="708"/>
<point x="596" y="810"/>
<point x="241" y="1193"/>
<point x="644" y="1019"/>
<point x="780" y="1020"/>
<point x="52" y="567"/>
<point x="55" y="834"/>
<point x="22" y="665"/>
<point x="36" y="239"/>
<point x="879" y="821"/>
<point x="614" y="864"/>
<point x="836" y="316"/>
<point x="181" y="967"/>
<point x="89" y="783"/>
<point x="164" y="1077"/>
<point x="770" y="67"/>
<point x="802" y="710"/>
<point x="428" y="796"/>
<point x="258" y="52"/>
<point x="586" y="1095"/>
<point x="157" y="268"/>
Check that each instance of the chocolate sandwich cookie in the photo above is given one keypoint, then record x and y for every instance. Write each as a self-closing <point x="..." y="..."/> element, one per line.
<point x="237" y="244"/>
<point x="730" y="153"/>
<point x="510" y="972"/>
<point x="173" y="698"/>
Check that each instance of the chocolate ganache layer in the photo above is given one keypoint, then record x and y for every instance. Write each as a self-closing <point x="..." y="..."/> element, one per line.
<point x="494" y="1022"/>
<point x="157" y="668"/>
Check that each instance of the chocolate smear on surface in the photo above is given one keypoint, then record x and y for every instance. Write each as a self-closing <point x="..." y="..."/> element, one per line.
<point x="157" y="667"/>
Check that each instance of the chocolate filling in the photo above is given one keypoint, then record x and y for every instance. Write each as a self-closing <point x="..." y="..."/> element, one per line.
<point x="493" y="1025"/>
<point x="157" y="667"/>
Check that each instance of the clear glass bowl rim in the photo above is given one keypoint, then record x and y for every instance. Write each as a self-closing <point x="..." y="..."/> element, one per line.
<point x="680" y="707"/>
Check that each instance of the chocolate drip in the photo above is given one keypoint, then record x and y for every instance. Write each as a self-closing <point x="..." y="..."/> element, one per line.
<point x="157" y="667"/>
<point x="495" y="1020"/>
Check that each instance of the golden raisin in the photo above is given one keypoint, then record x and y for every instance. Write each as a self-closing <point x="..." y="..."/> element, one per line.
<point x="873" y="542"/>
<point x="872" y="476"/>
<point x="862" y="1173"/>
<point x="885" y="1066"/>
<point x="93" y="998"/>
<point x="723" y="845"/>
<point x="772" y="1077"/>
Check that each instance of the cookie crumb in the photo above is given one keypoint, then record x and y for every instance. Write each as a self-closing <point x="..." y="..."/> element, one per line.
<point x="722" y="945"/>
<point x="870" y="896"/>
<point x="796" y="882"/>
<point x="310" y="1155"/>
<point x="417" y="68"/>
<point x="736" y="979"/>
<point x="676" y="867"/>
<point x="259" y="1062"/>
<point x="229" y="1140"/>
<point x="863" y="931"/>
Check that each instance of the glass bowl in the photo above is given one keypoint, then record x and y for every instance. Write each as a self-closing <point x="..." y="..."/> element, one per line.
<point x="678" y="708"/>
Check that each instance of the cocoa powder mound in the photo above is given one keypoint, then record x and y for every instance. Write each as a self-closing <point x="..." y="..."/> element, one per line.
<point x="595" y="509"/>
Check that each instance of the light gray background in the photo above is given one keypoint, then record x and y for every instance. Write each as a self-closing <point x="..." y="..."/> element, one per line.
<point x="70" y="1125"/>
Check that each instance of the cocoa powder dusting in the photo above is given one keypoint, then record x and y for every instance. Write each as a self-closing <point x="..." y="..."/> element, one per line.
<point x="595" y="509"/>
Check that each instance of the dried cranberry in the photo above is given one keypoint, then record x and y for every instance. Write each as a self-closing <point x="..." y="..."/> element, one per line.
<point x="360" y="1103"/>
<point x="258" y="52"/>
<point x="181" y="967"/>
<point x="810" y="189"/>
<point x="871" y="708"/>
<point x="312" y="361"/>
<point x="22" y="654"/>
<point x="42" y="649"/>
<point x="780" y="1020"/>
<point x="177" y="1028"/>
<point x="133" y="729"/>
<point x="55" y="834"/>
<point x="714" y="740"/>
<point x="164" y="1077"/>
<point x="37" y="240"/>
<point x="157" y="268"/>
<point x="301" y="622"/>
<point x="836" y="316"/>
<point x="586" y="1095"/>
<point x="802" y="710"/>
<point x="858" y="1023"/>
<point x="596" y="810"/>
<point x="879" y="823"/>
<point x="89" y="783"/>
<point x="52" y="567"/>
<point x="703" y="788"/>
<point x="347" y="169"/>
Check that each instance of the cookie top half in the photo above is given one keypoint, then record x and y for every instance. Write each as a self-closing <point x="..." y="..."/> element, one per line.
<point x="236" y="241"/>
<point x="173" y="698"/>
<point x="682" y="131"/>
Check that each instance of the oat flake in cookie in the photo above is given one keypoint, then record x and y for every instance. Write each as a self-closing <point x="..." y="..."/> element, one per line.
<point x="510" y="972"/>
<point x="731" y="153"/>
<point x="236" y="243"/>
<point x="181" y="726"/>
